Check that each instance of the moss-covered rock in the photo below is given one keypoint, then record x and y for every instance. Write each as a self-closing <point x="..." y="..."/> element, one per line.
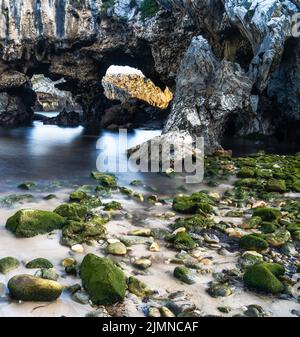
<point x="78" y="195"/>
<point x="196" y="203"/>
<point x="194" y="223"/>
<point x="106" y="180"/>
<point x="47" y="274"/>
<point x="29" y="222"/>
<point x="248" y="182"/>
<point x="219" y="290"/>
<point x="278" y="238"/>
<point x="138" y="287"/>
<point x="184" y="275"/>
<point x="268" y="227"/>
<point x="39" y="263"/>
<point x="182" y="240"/>
<point x="72" y="211"/>
<point x="253" y="242"/>
<point x="245" y="172"/>
<point x="274" y="185"/>
<point x="253" y="222"/>
<point x="31" y="288"/>
<point x="264" y="277"/>
<point x="104" y="282"/>
<point x="267" y="214"/>
<point x="113" y="206"/>
<point x="27" y="185"/>
<point x="8" y="264"/>
<point x="76" y="232"/>
<point x="250" y="258"/>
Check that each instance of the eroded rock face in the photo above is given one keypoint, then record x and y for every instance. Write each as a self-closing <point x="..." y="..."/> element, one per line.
<point x="124" y="86"/>
<point x="207" y="92"/>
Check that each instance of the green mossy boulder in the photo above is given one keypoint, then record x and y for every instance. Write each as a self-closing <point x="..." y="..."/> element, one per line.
<point x="274" y="185"/>
<point x="263" y="173"/>
<point x="113" y="206"/>
<point x="104" y="281"/>
<point x="245" y="172"/>
<point x="77" y="196"/>
<point x="250" y="258"/>
<point x="39" y="263"/>
<point x="31" y="288"/>
<point x="253" y="222"/>
<point x="253" y="242"/>
<point x="264" y="277"/>
<point x="8" y="264"/>
<point x="278" y="238"/>
<point x="75" y="232"/>
<point x="182" y="240"/>
<point x="72" y="211"/>
<point x="106" y="180"/>
<point x="248" y="182"/>
<point x="138" y="287"/>
<point x="194" y="223"/>
<point x="48" y="274"/>
<point x="196" y="203"/>
<point x="267" y="214"/>
<point x="184" y="275"/>
<point x="28" y="222"/>
<point x="268" y="227"/>
<point x="27" y="185"/>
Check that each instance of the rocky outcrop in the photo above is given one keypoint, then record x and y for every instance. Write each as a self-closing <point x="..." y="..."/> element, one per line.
<point x="207" y="92"/>
<point x="124" y="86"/>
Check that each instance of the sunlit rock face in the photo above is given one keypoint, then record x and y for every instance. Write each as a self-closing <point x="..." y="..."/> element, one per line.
<point x="124" y="83"/>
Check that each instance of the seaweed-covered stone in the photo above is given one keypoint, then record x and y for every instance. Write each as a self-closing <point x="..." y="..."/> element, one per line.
<point x="136" y="183"/>
<point x="274" y="185"/>
<point x="39" y="263"/>
<point x="247" y="182"/>
<point x="78" y="195"/>
<point x="267" y="214"/>
<point x="8" y="264"/>
<point x="137" y="287"/>
<point x="194" y="223"/>
<point x="278" y="238"/>
<point x="219" y="290"/>
<point x="253" y="242"/>
<point x="72" y="211"/>
<point x="29" y="222"/>
<point x="77" y="232"/>
<point x="184" y="275"/>
<point x="182" y="240"/>
<point x="113" y="206"/>
<point x="27" y="185"/>
<point x="48" y="274"/>
<point x="253" y="222"/>
<point x="196" y="203"/>
<point x="104" y="281"/>
<point x="116" y="248"/>
<point x="268" y="227"/>
<point x="106" y="180"/>
<point x="264" y="277"/>
<point x="249" y="258"/>
<point x="245" y="172"/>
<point x="31" y="288"/>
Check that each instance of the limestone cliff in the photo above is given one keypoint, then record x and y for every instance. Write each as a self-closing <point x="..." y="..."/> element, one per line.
<point x="228" y="61"/>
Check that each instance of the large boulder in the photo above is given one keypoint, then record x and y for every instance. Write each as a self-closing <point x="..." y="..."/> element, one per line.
<point x="104" y="281"/>
<point x="29" y="222"/>
<point x="30" y="288"/>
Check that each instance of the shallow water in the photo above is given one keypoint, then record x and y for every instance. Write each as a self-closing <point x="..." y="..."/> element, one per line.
<point x="47" y="154"/>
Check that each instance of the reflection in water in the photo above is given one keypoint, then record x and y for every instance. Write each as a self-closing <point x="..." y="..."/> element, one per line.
<point x="48" y="152"/>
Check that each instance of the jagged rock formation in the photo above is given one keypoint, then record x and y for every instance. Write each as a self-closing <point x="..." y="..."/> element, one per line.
<point x="49" y="98"/>
<point x="242" y="69"/>
<point x="122" y="85"/>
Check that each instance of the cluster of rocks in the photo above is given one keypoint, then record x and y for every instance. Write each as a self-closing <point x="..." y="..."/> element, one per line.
<point x="253" y="226"/>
